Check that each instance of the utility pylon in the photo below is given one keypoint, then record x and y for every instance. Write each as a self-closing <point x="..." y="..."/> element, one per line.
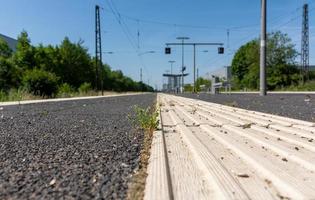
<point x="98" y="49"/>
<point x="305" y="45"/>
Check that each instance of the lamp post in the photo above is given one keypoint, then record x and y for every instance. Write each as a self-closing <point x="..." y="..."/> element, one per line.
<point x="172" y="62"/>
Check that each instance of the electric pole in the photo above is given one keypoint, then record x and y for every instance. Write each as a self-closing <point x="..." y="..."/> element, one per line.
<point x="141" y="74"/>
<point x="228" y="39"/>
<point x="305" y="45"/>
<point x="263" y="42"/>
<point x="98" y="49"/>
<point x="183" y="41"/>
<point x="194" y="68"/>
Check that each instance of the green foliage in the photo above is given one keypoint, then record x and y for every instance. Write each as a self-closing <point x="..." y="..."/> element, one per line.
<point x="308" y="86"/>
<point x="202" y="84"/>
<point x="5" y="50"/>
<point x="40" y="82"/>
<point x="85" y="88"/>
<point x="9" y="74"/>
<point x="65" y="90"/>
<point x="37" y="68"/>
<point x="24" y="55"/>
<point x="188" y="88"/>
<point x="75" y="63"/>
<point x="146" y="118"/>
<point x="281" y="66"/>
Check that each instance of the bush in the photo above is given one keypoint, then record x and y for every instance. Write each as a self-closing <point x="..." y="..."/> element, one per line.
<point x="85" y="88"/>
<point x="65" y="90"/>
<point x="9" y="75"/>
<point x="3" y="96"/>
<point x="40" y="82"/>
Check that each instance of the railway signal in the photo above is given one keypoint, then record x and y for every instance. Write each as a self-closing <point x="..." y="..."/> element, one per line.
<point x="167" y="50"/>
<point x="221" y="50"/>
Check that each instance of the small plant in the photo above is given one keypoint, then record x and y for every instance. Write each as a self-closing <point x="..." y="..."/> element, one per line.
<point x="65" y="90"/>
<point x="231" y="104"/>
<point x="146" y="118"/>
<point x="85" y="88"/>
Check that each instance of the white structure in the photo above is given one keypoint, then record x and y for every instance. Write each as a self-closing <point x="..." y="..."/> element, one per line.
<point x="11" y="42"/>
<point x="223" y="73"/>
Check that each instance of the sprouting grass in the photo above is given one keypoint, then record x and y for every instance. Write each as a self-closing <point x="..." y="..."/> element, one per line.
<point x="16" y="95"/>
<point x="231" y="104"/>
<point x="21" y="95"/>
<point x="308" y="86"/>
<point x="146" y="118"/>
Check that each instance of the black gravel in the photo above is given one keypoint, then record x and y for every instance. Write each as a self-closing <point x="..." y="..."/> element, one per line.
<point x="298" y="106"/>
<point x="84" y="149"/>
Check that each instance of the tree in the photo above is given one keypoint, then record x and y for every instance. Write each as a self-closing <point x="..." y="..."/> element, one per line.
<point x="42" y="69"/>
<point x="201" y="82"/>
<point x="47" y="58"/>
<point x="281" y="70"/>
<point x="245" y="64"/>
<point x="188" y="88"/>
<point x="5" y="50"/>
<point x="9" y="75"/>
<point x="281" y="64"/>
<point x="75" y="63"/>
<point x="24" y="56"/>
<point x="40" y="82"/>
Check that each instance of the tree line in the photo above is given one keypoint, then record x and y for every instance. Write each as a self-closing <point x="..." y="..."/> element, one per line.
<point x="282" y="69"/>
<point x="46" y="70"/>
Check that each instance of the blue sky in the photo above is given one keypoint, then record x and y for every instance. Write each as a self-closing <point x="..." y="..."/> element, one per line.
<point x="158" y="22"/>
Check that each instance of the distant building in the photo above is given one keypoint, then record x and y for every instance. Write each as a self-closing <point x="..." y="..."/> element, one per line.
<point x="222" y="73"/>
<point x="11" y="42"/>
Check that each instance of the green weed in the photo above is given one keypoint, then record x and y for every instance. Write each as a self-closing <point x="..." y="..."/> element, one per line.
<point x="146" y="118"/>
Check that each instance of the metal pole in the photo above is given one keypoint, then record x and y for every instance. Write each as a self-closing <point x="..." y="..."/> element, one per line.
<point x="263" y="38"/>
<point x="141" y="75"/>
<point x="96" y="50"/>
<point x="194" y="68"/>
<point x="183" y="40"/>
<point x="182" y="87"/>
<point x="172" y="62"/>
<point x="100" y="49"/>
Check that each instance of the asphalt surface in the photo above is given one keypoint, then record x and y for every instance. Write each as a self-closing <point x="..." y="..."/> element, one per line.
<point x="298" y="106"/>
<point x="85" y="149"/>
